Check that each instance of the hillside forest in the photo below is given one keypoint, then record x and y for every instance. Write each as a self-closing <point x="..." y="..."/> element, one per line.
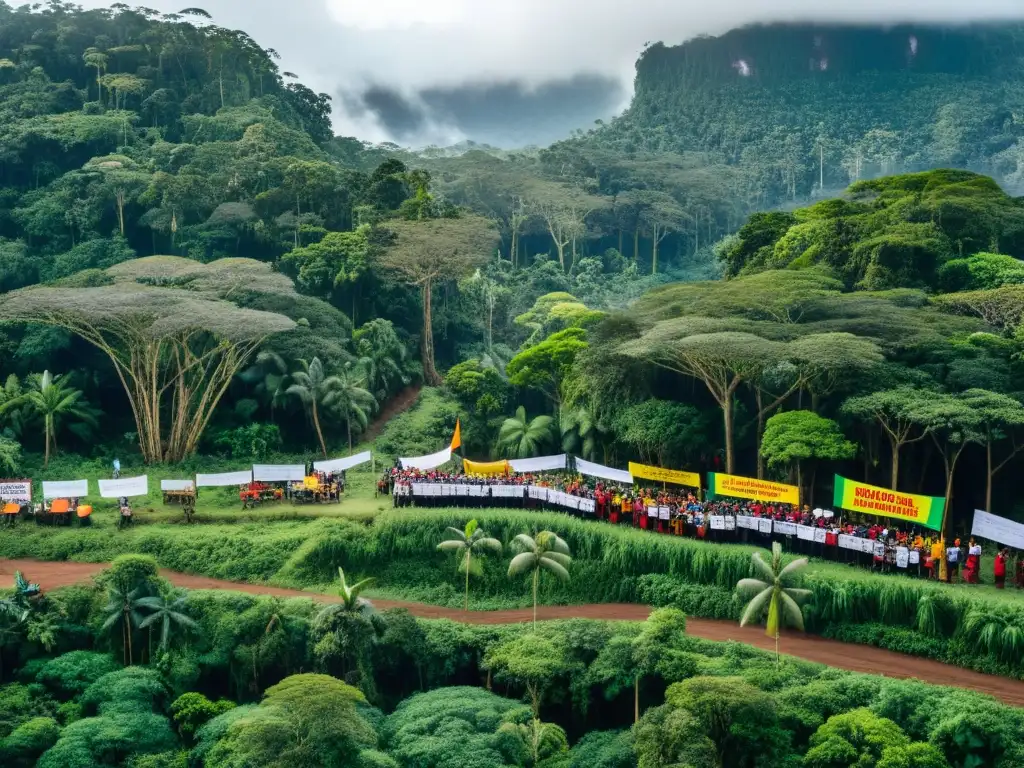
<point x="193" y="264"/>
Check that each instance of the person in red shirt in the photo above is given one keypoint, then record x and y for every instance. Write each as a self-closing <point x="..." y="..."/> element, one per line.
<point x="1000" y="568"/>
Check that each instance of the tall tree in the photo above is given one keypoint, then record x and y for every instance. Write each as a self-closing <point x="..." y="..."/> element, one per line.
<point x="794" y="438"/>
<point x="465" y="543"/>
<point x="999" y="417"/>
<point x="175" y="351"/>
<point x="167" y="615"/>
<point x="525" y="438"/>
<point x="425" y="253"/>
<point x="50" y="399"/>
<point x="774" y="594"/>
<point x="893" y="410"/>
<point x="350" y="399"/>
<point x="545" y="551"/>
<point x="313" y="387"/>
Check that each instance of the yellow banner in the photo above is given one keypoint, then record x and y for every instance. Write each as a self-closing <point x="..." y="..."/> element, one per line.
<point x="751" y="488"/>
<point x="674" y="476"/>
<point x="872" y="500"/>
<point x="485" y="468"/>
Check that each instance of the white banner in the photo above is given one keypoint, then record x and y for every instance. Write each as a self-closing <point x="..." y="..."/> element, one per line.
<point x="878" y="549"/>
<point x="124" y="486"/>
<point x="902" y="557"/>
<point x="278" y="473"/>
<point x="805" y="533"/>
<point x="745" y="521"/>
<point x="65" y="489"/>
<point x="848" y="542"/>
<point x="787" y="529"/>
<point x="587" y="505"/>
<point x="539" y="464"/>
<point x="538" y="492"/>
<point x="730" y="523"/>
<point x="664" y="513"/>
<point x="177" y="485"/>
<point x="764" y="525"/>
<point x="717" y="522"/>
<point x="224" y="479"/>
<point x="15" y="490"/>
<point x="340" y="465"/>
<point x="819" y="535"/>
<point x="866" y="545"/>
<point x="605" y="473"/>
<point x="432" y="461"/>
<point x="998" y="529"/>
<point x="914" y="558"/>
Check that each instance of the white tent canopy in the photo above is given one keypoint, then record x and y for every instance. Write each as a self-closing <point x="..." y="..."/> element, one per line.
<point x="224" y="479"/>
<point x="177" y="485"/>
<point x="65" y="489"/>
<point x="124" y="486"/>
<point x="605" y="473"/>
<point x="340" y="465"/>
<point x="539" y="464"/>
<point x="432" y="461"/>
<point x="278" y="473"/>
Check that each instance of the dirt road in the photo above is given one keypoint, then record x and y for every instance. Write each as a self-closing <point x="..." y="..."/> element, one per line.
<point x="856" y="658"/>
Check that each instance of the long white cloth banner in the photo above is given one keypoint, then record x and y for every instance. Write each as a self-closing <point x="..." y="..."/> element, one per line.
<point x="15" y="490"/>
<point x="224" y="479"/>
<point x="177" y="485"/>
<point x="605" y="473"/>
<point x="340" y="465"/>
<point x="124" y="486"/>
<point x="432" y="461"/>
<point x="539" y="464"/>
<point x="65" y="489"/>
<point x="989" y="526"/>
<point x="278" y="473"/>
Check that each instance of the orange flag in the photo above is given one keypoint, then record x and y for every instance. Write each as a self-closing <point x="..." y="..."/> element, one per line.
<point x="457" y="437"/>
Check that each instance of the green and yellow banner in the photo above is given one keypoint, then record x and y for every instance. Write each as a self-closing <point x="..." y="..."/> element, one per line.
<point x="872" y="500"/>
<point x="674" y="476"/>
<point x="751" y="488"/>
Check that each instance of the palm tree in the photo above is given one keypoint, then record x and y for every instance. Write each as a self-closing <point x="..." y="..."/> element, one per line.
<point x="525" y="438"/>
<point x="351" y="602"/>
<point x="167" y="614"/>
<point x="312" y="385"/>
<point x="471" y="540"/>
<point x="269" y="374"/>
<point x="123" y="607"/>
<point x="546" y="551"/>
<point x="49" y="398"/>
<point x="381" y="356"/>
<point x="581" y="434"/>
<point x="774" y="594"/>
<point x="349" y="399"/>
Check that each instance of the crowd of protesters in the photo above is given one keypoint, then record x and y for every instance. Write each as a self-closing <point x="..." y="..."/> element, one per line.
<point x="683" y="513"/>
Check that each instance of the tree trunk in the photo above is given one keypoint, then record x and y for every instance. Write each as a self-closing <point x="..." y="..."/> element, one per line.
<point x="469" y="556"/>
<point x="316" y="425"/>
<point x="128" y="630"/>
<point x="636" y="245"/>
<point x="799" y="480"/>
<point x="988" y="475"/>
<point x="348" y="426"/>
<point x="427" y="343"/>
<point x="654" y="251"/>
<point x="758" y="399"/>
<point x="48" y="430"/>
<point x="536" y="578"/>
<point x="727" y="419"/>
<point x="636" y="699"/>
<point x="894" y="475"/>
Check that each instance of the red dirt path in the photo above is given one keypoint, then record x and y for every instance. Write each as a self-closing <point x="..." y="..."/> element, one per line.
<point x="400" y="403"/>
<point x="856" y="658"/>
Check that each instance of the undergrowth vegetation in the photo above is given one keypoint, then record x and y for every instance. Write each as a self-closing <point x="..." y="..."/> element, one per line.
<point x="976" y="627"/>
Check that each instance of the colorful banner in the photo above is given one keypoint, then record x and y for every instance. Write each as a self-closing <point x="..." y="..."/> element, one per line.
<point x="485" y="468"/>
<point x="751" y="488"/>
<point x="676" y="477"/>
<point x="872" y="500"/>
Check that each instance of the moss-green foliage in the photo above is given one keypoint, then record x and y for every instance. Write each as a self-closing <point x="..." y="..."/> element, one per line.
<point x="899" y="231"/>
<point x="29" y="740"/>
<point x="70" y="674"/>
<point x="423" y="429"/>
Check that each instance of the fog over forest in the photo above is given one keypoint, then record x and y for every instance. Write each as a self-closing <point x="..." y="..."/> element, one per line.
<point x="440" y="71"/>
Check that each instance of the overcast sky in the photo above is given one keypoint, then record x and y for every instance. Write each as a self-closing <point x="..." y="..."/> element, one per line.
<point x="508" y="72"/>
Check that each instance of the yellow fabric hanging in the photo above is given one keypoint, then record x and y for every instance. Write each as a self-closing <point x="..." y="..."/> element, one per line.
<point x="485" y="468"/>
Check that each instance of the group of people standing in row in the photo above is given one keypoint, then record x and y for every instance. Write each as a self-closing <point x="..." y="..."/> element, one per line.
<point x="927" y="554"/>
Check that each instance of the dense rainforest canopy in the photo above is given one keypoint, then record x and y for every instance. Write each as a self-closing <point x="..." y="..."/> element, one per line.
<point x="147" y="156"/>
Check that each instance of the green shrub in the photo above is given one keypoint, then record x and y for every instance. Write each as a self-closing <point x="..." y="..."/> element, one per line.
<point x="29" y="740"/>
<point x="70" y="674"/>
